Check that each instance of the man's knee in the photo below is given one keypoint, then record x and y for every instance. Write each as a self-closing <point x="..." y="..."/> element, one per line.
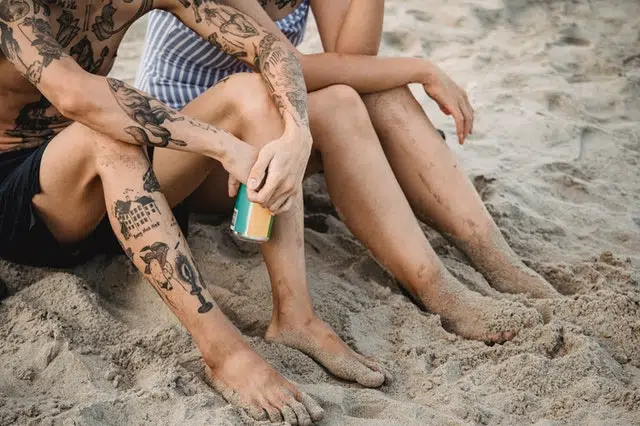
<point x="112" y="155"/>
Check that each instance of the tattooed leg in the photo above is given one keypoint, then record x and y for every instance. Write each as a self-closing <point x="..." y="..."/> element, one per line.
<point x="82" y="174"/>
<point x="436" y="185"/>
<point x="294" y="322"/>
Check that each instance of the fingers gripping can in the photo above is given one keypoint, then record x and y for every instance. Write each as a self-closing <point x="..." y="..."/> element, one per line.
<point x="251" y="221"/>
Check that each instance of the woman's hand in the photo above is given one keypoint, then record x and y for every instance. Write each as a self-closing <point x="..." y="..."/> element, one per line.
<point x="452" y="100"/>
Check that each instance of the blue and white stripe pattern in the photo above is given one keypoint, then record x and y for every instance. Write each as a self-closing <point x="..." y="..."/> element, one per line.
<point x="178" y="65"/>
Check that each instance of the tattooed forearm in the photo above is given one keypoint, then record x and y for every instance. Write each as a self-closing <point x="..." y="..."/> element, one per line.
<point x="281" y="69"/>
<point x="149" y="113"/>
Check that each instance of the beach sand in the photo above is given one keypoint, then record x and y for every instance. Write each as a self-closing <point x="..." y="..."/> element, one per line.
<point x="554" y="155"/>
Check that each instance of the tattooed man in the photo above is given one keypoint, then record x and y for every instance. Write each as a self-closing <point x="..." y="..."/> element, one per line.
<point x="71" y="151"/>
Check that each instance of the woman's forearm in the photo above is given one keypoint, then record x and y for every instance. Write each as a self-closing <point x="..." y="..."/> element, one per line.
<point x="366" y="74"/>
<point x="361" y="29"/>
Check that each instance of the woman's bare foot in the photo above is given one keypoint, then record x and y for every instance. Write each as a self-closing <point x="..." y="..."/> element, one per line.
<point x="504" y="270"/>
<point x="473" y="316"/>
<point x="315" y="338"/>
<point x="246" y="380"/>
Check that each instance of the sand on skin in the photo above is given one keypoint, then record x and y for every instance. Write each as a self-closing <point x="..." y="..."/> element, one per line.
<point x="555" y="153"/>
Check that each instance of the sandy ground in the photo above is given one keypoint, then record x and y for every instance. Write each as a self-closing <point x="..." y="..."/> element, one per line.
<point x="555" y="154"/>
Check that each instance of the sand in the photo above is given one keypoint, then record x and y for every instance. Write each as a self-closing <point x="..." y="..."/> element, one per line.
<point x="555" y="153"/>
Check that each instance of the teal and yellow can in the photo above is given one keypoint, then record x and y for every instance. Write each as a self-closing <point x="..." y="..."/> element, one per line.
<point x="251" y="221"/>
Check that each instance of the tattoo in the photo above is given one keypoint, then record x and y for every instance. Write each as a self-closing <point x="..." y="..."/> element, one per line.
<point x="271" y="56"/>
<point x="150" y="182"/>
<point x="149" y="113"/>
<point x="68" y="28"/>
<point x="13" y="10"/>
<point x="155" y="256"/>
<point x="235" y="24"/>
<point x="103" y="28"/>
<point x="45" y="44"/>
<point x="204" y="126"/>
<point x="8" y="43"/>
<point x="33" y="124"/>
<point x="164" y="275"/>
<point x="300" y="104"/>
<point x="284" y="3"/>
<point x="187" y="273"/>
<point x="87" y="16"/>
<point x="137" y="217"/>
<point x="232" y="25"/>
<point x="82" y="52"/>
<point x="227" y="46"/>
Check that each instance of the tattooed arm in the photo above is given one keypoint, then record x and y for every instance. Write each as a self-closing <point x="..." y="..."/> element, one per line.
<point x="239" y="35"/>
<point x="111" y="108"/>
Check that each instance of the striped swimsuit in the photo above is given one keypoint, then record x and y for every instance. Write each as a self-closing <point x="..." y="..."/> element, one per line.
<point x="178" y="65"/>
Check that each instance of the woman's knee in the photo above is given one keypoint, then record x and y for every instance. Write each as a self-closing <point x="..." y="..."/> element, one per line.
<point x="250" y="101"/>
<point x="337" y="102"/>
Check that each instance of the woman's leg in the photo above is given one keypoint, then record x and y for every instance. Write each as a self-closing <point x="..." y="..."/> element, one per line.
<point x="294" y="322"/>
<point x="369" y="198"/>
<point x="84" y="174"/>
<point x="440" y="192"/>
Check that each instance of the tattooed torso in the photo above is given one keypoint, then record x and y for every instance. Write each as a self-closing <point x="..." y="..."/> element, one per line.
<point x="89" y="31"/>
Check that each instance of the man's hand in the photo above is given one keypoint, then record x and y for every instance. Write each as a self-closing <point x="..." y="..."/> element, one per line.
<point x="238" y="162"/>
<point x="451" y="99"/>
<point x="277" y="175"/>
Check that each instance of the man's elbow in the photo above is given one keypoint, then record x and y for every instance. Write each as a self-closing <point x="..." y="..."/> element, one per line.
<point x="73" y="100"/>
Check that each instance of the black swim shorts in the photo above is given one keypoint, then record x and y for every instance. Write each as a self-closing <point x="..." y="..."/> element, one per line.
<point x="24" y="237"/>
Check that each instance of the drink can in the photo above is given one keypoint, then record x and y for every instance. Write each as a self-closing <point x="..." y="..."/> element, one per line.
<point x="251" y="221"/>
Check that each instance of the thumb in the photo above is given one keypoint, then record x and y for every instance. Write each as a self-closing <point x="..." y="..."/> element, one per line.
<point x="259" y="169"/>
<point x="233" y="186"/>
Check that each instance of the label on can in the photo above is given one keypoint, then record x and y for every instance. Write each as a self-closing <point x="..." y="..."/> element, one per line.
<point x="250" y="220"/>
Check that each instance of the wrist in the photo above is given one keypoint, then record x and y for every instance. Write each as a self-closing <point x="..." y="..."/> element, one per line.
<point x="427" y="71"/>
<point x="297" y="132"/>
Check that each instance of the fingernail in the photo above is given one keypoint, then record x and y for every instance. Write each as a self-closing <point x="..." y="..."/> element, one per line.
<point x="253" y="184"/>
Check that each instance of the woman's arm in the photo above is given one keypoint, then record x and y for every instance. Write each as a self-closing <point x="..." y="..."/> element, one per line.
<point x="365" y="73"/>
<point x="349" y="26"/>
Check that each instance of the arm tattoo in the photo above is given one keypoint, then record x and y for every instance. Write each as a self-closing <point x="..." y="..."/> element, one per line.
<point x="273" y="55"/>
<point x="149" y="113"/>
<point x="103" y="28"/>
<point x="13" y="10"/>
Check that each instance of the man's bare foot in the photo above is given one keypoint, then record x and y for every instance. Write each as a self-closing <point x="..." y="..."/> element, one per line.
<point x="504" y="270"/>
<point x="246" y="380"/>
<point x="315" y="338"/>
<point x="473" y="316"/>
